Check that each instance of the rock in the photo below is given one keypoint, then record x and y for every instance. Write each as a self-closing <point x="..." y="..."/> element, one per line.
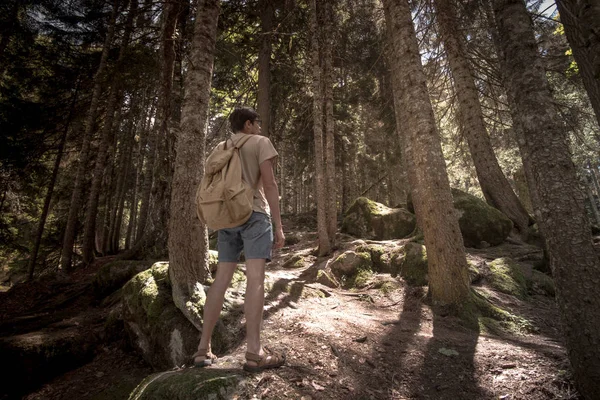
<point x="371" y="220"/>
<point x="381" y="256"/>
<point x="114" y="275"/>
<point x="30" y="359"/>
<point x="507" y="277"/>
<point x="213" y="261"/>
<point x="350" y="262"/>
<point x="411" y="264"/>
<point x="154" y="325"/>
<point x="295" y="261"/>
<point x="190" y="384"/>
<point x="353" y="269"/>
<point x="327" y="279"/>
<point x="478" y="221"/>
<point x="540" y="282"/>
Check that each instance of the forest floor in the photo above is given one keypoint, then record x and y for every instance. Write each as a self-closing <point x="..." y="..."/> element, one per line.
<point x="359" y="344"/>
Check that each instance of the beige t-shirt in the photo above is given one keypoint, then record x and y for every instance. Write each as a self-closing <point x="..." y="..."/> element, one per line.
<point x="256" y="150"/>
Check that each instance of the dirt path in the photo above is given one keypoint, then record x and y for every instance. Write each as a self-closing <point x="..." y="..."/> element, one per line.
<point x="367" y="344"/>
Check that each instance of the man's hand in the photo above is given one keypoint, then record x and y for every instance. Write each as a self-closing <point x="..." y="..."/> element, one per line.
<point x="279" y="239"/>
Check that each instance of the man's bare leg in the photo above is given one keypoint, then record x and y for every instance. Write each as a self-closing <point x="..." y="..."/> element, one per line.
<point x="254" y="303"/>
<point x="214" y="302"/>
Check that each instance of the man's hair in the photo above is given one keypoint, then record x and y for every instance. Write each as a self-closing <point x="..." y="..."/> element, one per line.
<point x="239" y="116"/>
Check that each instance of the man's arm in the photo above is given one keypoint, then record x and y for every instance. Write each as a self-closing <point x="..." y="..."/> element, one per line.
<point x="272" y="195"/>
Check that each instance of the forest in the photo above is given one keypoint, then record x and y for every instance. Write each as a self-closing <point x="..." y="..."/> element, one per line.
<point x="439" y="185"/>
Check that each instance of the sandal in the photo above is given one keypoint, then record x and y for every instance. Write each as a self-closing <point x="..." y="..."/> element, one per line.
<point x="209" y="358"/>
<point x="268" y="360"/>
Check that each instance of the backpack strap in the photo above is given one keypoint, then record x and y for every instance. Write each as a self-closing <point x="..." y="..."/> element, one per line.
<point x="239" y="144"/>
<point x="242" y="141"/>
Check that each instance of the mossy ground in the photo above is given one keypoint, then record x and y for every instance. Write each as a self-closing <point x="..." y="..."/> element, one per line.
<point x="507" y="277"/>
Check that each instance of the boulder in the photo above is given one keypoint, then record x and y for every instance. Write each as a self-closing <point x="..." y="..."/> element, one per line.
<point x="112" y="276"/>
<point x="30" y="359"/>
<point x="480" y="224"/>
<point x="160" y="331"/>
<point x="327" y="279"/>
<point x="353" y="269"/>
<point x="371" y="220"/>
<point x="411" y="264"/>
<point x="190" y="384"/>
<point x="154" y="325"/>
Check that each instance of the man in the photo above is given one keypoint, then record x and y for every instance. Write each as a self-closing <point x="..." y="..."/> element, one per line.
<point x="255" y="237"/>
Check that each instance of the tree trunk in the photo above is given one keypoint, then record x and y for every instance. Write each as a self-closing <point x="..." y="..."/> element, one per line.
<point x="494" y="185"/>
<point x="447" y="264"/>
<point x="106" y="138"/>
<point x="48" y="198"/>
<point x="188" y="239"/>
<point x="322" y="228"/>
<point x="559" y="205"/>
<point x="82" y="167"/>
<point x="581" y="20"/>
<point x="267" y="15"/>
<point x="328" y="80"/>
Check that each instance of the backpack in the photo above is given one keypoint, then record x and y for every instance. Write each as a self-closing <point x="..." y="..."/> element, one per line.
<point x="224" y="199"/>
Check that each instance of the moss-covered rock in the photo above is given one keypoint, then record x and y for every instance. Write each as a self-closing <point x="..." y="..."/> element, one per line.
<point x="327" y="279"/>
<point x="480" y="223"/>
<point x="295" y="261"/>
<point x="381" y="256"/>
<point x="411" y="264"/>
<point x="213" y="261"/>
<point x="112" y="276"/>
<point x="507" y="277"/>
<point x="350" y="262"/>
<point x="539" y="282"/>
<point x="155" y="326"/>
<point x="189" y="384"/>
<point x="368" y="219"/>
<point x="352" y="269"/>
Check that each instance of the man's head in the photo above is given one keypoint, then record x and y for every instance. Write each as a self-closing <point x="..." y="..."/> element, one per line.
<point x="244" y="120"/>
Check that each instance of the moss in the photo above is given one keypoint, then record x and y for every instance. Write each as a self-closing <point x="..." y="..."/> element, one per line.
<point x="541" y="282"/>
<point x="379" y="256"/>
<point x="506" y="276"/>
<point x="480" y="314"/>
<point x="479" y="221"/>
<point x="327" y="279"/>
<point x="296" y="261"/>
<point x="414" y="264"/>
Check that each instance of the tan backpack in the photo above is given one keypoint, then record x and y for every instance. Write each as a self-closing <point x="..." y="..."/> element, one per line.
<point x="224" y="199"/>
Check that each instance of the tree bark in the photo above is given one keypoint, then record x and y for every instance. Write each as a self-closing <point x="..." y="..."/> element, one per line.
<point x="447" y="264"/>
<point x="320" y="173"/>
<point x="84" y="154"/>
<point x="559" y="205"/>
<point x="494" y="185"/>
<point x="581" y="20"/>
<point x="267" y="16"/>
<point x="188" y="239"/>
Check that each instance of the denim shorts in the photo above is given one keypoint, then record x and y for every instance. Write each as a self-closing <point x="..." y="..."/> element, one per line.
<point x="255" y="237"/>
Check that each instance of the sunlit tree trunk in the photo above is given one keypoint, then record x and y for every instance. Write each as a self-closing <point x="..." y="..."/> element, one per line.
<point x="84" y="154"/>
<point x="559" y="206"/>
<point x="188" y="239"/>
<point x="329" y="26"/>
<point x="267" y="15"/>
<point x="494" y="185"/>
<point x="447" y="264"/>
<point x="581" y="20"/>
<point x="320" y="173"/>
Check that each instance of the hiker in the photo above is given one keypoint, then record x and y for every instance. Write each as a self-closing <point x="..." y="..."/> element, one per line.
<point x="255" y="237"/>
